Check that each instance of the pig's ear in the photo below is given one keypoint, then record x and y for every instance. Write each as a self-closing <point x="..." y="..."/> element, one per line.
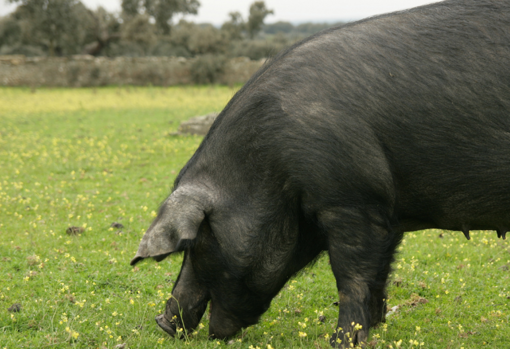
<point x="173" y="229"/>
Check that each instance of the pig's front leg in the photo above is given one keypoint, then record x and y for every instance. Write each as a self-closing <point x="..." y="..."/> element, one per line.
<point x="187" y="304"/>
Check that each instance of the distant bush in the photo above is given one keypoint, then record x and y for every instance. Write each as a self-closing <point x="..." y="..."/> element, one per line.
<point x="124" y="48"/>
<point x="198" y="39"/>
<point x="206" y="69"/>
<point x="164" y="48"/>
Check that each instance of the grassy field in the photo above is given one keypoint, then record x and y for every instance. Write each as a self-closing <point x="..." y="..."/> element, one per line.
<point x="88" y="158"/>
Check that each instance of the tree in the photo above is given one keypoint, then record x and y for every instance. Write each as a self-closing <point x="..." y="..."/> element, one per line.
<point x="235" y="27"/>
<point x="10" y="31"/>
<point x="162" y="11"/>
<point x="141" y="31"/>
<point x="258" y="12"/>
<point x="199" y="39"/>
<point x="106" y="29"/>
<point x="207" y="40"/>
<point x="130" y="8"/>
<point x="58" y="25"/>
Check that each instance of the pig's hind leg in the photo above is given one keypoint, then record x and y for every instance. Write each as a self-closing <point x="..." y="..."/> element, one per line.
<point x="361" y="246"/>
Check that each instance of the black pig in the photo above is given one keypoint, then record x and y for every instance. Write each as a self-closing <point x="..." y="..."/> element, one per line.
<point x="342" y="143"/>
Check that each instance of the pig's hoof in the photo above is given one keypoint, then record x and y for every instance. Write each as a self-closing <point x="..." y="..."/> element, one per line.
<point x="166" y="325"/>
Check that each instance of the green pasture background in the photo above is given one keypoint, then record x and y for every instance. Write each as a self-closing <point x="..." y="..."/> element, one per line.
<point x="91" y="157"/>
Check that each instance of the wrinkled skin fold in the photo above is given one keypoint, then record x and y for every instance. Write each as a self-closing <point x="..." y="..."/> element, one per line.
<point x="342" y="143"/>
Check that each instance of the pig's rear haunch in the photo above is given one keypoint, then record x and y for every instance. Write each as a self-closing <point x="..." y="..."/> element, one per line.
<point x="342" y="143"/>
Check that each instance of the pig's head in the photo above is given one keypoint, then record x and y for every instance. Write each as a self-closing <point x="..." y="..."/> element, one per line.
<point x="182" y="224"/>
<point x="239" y="252"/>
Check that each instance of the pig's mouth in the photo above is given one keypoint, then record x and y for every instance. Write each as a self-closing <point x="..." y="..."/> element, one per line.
<point x="179" y="324"/>
<point x="169" y="327"/>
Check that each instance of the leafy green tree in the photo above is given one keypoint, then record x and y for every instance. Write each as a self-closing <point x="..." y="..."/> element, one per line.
<point x="10" y="31"/>
<point x="207" y="40"/>
<point x="258" y="12"/>
<point x="104" y="30"/>
<point x="130" y="8"/>
<point x="162" y="11"/>
<point x="61" y="26"/>
<point x="235" y="27"/>
<point x="199" y="39"/>
<point x="141" y="31"/>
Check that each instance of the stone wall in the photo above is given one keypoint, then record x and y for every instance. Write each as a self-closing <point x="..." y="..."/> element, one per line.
<point x="83" y="70"/>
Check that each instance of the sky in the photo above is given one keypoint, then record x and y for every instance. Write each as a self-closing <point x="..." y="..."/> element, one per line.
<point x="216" y="11"/>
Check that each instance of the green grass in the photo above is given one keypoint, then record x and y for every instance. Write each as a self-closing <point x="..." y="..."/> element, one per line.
<point x="90" y="157"/>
